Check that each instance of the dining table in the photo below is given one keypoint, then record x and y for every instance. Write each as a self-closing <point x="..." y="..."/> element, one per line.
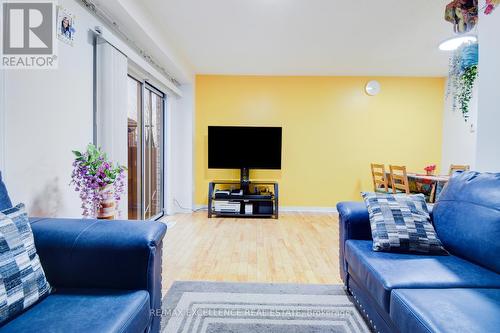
<point x="430" y="185"/>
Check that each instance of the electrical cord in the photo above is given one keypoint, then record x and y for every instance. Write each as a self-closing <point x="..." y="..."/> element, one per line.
<point x="188" y="209"/>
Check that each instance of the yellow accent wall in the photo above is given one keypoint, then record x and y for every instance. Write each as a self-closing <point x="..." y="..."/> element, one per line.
<point x="332" y="130"/>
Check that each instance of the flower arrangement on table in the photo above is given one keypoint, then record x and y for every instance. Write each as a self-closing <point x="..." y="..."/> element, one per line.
<point x="98" y="181"/>
<point x="490" y="6"/>
<point x="430" y="169"/>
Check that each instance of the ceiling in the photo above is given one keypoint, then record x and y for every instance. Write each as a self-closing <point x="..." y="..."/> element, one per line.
<point x="306" y="37"/>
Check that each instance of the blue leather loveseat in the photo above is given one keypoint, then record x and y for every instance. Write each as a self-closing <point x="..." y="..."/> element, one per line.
<point x="105" y="275"/>
<point x="421" y="293"/>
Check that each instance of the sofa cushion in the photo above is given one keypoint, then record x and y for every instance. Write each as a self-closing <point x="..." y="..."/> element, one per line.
<point x="22" y="279"/>
<point x="85" y="310"/>
<point x="446" y="310"/>
<point x="383" y="271"/>
<point x="467" y="217"/>
<point x="4" y="196"/>
<point x="401" y="223"/>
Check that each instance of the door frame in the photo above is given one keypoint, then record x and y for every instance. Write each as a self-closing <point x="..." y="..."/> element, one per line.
<point x="148" y="86"/>
<point x="145" y="86"/>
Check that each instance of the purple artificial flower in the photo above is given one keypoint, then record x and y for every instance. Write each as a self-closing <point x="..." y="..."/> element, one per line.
<point x="92" y="172"/>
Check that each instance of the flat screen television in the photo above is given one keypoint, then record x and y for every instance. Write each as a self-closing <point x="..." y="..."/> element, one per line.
<point x="241" y="147"/>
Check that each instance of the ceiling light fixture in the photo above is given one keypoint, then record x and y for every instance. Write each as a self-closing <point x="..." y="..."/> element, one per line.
<point x="454" y="43"/>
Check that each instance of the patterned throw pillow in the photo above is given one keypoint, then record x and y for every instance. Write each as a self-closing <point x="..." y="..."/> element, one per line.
<point x="401" y="223"/>
<point x="22" y="279"/>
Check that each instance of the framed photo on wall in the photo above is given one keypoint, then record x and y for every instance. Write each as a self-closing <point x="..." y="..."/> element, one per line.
<point x="65" y="25"/>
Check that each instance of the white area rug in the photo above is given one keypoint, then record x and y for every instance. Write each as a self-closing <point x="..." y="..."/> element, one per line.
<point x="211" y="307"/>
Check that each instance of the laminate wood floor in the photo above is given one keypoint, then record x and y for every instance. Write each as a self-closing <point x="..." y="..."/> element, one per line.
<point x="297" y="248"/>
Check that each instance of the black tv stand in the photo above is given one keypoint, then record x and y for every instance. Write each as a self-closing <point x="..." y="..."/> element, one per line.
<point x="249" y="202"/>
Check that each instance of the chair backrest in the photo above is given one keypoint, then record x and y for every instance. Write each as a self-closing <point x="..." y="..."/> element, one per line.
<point x="457" y="167"/>
<point x="399" y="179"/>
<point x="379" y="177"/>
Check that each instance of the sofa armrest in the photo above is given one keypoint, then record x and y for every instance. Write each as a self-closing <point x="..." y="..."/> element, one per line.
<point x="100" y="254"/>
<point x="354" y="223"/>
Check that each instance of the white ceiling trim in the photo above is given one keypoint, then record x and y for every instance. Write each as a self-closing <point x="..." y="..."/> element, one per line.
<point x="149" y="71"/>
<point x="134" y="20"/>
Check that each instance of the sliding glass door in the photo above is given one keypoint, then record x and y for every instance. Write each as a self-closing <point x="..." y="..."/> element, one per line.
<point x="134" y="149"/>
<point x="153" y="161"/>
<point x="146" y="117"/>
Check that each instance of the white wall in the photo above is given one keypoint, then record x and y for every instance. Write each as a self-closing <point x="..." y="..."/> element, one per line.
<point x="48" y="113"/>
<point x="488" y="121"/>
<point x="2" y="119"/>
<point x="477" y="142"/>
<point x="459" y="136"/>
<point x="182" y="133"/>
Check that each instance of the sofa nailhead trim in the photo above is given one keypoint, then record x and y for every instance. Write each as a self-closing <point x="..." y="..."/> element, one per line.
<point x="364" y="312"/>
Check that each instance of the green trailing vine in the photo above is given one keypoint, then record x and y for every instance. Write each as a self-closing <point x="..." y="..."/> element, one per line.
<point x="466" y="86"/>
<point x="463" y="72"/>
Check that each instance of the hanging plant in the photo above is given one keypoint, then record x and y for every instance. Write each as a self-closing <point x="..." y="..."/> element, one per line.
<point x="462" y="14"/>
<point x="467" y="85"/>
<point x="453" y="78"/>
<point x="462" y="76"/>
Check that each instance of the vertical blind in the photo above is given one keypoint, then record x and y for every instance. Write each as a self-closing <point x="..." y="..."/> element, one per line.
<point x="111" y="107"/>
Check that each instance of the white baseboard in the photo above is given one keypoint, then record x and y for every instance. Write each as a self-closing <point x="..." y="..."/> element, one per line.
<point x="301" y="209"/>
<point x="308" y="209"/>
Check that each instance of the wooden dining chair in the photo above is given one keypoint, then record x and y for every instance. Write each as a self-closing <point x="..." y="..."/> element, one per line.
<point x="432" y="196"/>
<point x="379" y="178"/>
<point x="457" y="167"/>
<point x="399" y="179"/>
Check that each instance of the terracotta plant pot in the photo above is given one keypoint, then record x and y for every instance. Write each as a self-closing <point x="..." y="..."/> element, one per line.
<point x="107" y="209"/>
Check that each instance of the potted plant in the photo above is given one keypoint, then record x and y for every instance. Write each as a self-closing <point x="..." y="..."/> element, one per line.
<point x="430" y="169"/>
<point x="98" y="181"/>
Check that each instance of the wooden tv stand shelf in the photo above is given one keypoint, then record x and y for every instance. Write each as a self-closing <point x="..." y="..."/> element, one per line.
<point x="252" y="202"/>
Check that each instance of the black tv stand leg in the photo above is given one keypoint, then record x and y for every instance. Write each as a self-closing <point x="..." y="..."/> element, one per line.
<point x="244" y="179"/>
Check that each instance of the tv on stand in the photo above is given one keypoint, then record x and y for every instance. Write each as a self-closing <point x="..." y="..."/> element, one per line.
<point x="245" y="148"/>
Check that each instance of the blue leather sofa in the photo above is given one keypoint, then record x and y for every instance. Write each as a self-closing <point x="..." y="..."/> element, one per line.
<point x="420" y="293"/>
<point x="106" y="276"/>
